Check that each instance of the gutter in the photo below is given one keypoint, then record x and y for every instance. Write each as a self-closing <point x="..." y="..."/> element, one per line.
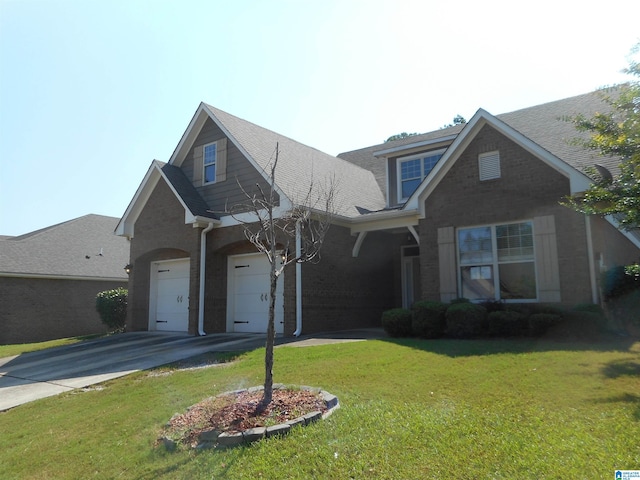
<point x="203" y="257"/>
<point x="298" y="282"/>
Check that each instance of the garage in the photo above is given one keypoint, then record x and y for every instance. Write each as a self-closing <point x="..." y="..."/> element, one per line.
<point x="169" y="296"/>
<point x="248" y="302"/>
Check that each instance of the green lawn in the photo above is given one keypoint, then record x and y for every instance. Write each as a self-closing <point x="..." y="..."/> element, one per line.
<point x="410" y="409"/>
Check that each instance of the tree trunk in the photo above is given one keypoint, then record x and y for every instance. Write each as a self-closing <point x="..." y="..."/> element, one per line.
<point x="271" y="335"/>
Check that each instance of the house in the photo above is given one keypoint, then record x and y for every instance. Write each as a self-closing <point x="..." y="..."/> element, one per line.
<point x="49" y="279"/>
<point x="467" y="211"/>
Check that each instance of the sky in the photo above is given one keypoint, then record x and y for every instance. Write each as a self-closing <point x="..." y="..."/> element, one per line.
<point x="91" y="92"/>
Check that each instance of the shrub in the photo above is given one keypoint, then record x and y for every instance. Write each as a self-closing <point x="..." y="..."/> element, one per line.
<point x="588" y="307"/>
<point x="617" y="282"/>
<point x="579" y="325"/>
<point x="466" y="320"/>
<point x="428" y="319"/>
<point x="459" y="300"/>
<point x="539" y="323"/>
<point x="493" y="305"/>
<point x="535" y="308"/>
<point x="397" y="322"/>
<point x="507" y="323"/>
<point x="112" y="308"/>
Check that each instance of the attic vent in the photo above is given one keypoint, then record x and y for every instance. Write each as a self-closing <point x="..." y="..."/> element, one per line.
<point x="489" y="165"/>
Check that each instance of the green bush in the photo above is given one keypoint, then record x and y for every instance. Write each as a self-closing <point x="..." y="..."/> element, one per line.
<point x="493" y="305"/>
<point x="112" y="307"/>
<point x="539" y="323"/>
<point x="459" y="300"/>
<point x="617" y="282"/>
<point x="428" y="319"/>
<point x="535" y="308"/>
<point x="397" y="322"/>
<point x="588" y="307"/>
<point x="576" y="325"/>
<point x="466" y="320"/>
<point x="507" y="323"/>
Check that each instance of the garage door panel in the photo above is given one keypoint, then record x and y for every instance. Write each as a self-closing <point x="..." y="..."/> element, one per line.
<point x="249" y="295"/>
<point x="171" y="295"/>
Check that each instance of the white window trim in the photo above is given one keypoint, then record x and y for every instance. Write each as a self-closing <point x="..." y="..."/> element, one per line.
<point x="401" y="160"/>
<point x="204" y="164"/>
<point x="495" y="263"/>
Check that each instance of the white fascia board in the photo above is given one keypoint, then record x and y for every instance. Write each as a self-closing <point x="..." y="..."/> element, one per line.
<point x="387" y="220"/>
<point x="126" y="223"/>
<point x="410" y="146"/>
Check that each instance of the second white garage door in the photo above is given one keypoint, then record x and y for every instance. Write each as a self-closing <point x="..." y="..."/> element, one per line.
<point x="248" y="302"/>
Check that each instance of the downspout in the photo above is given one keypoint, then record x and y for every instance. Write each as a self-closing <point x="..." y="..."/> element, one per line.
<point x="298" y="282"/>
<point x="592" y="266"/>
<point x="203" y="258"/>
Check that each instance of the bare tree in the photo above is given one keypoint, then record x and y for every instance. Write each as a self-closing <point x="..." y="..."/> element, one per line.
<point x="305" y="225"/>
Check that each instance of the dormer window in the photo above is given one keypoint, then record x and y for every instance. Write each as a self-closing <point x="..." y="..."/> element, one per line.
<point x="413" y="169"/>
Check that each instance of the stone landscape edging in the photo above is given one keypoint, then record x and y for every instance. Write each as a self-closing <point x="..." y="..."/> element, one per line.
<point x="213" y="438"/>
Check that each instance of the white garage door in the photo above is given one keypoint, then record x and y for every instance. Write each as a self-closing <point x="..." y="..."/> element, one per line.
<point x="169" y="302"/>
<point x="248" y="303"/>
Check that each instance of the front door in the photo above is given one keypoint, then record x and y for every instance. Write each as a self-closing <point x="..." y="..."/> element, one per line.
<point x="169" y="302"/>
<point x="410" y="275"/>
<point x="248" y="303"/>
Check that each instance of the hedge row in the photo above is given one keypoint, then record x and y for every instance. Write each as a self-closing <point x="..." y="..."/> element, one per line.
<point x="463" y="319"/>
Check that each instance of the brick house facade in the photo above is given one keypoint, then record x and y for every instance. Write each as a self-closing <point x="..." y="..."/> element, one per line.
<point x="472" y="210"/>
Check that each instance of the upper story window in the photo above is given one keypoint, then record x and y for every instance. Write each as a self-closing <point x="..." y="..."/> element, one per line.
<point x="209" y="164"/>
<point x="412" y="170"/>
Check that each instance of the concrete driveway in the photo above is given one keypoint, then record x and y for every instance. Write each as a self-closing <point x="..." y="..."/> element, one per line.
<point x="35" y="375"/>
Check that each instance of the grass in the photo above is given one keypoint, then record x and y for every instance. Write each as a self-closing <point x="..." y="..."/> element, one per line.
<point x="18" y="348"/>
<point x="409" y="409"/>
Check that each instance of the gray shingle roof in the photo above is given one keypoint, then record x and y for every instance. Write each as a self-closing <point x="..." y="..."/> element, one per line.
<point x="183" y="186"/>
<point x="300" y="166"/>
<point x="62" y="250"/>
<point x="544" y="124"/>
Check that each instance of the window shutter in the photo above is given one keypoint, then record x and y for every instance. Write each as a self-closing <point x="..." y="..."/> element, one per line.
<point x="489" y="165"/>
<point x="544" y="234"/>
<point x="198" y="167"/>
<point x="221" y="160"/>
<point x="447" y="264"/>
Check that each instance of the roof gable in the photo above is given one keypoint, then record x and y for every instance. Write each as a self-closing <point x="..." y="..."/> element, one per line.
<point x="578" y="180"/>
<point x="300" y="168"/>
<point x="195" y="208"/>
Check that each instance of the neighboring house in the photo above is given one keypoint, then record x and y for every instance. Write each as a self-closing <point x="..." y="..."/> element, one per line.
<point x="467" y="211"/>
<point x="49" y="279"/>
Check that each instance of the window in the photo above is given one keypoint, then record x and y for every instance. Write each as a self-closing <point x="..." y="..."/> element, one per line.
<point x="210" y="155"/>
<point x="412" y="170"/>
<point x="497" y="262"/>
<point x="489" y="165"/>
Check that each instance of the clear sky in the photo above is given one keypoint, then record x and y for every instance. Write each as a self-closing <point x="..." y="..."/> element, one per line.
<point x="92" y="91"/>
